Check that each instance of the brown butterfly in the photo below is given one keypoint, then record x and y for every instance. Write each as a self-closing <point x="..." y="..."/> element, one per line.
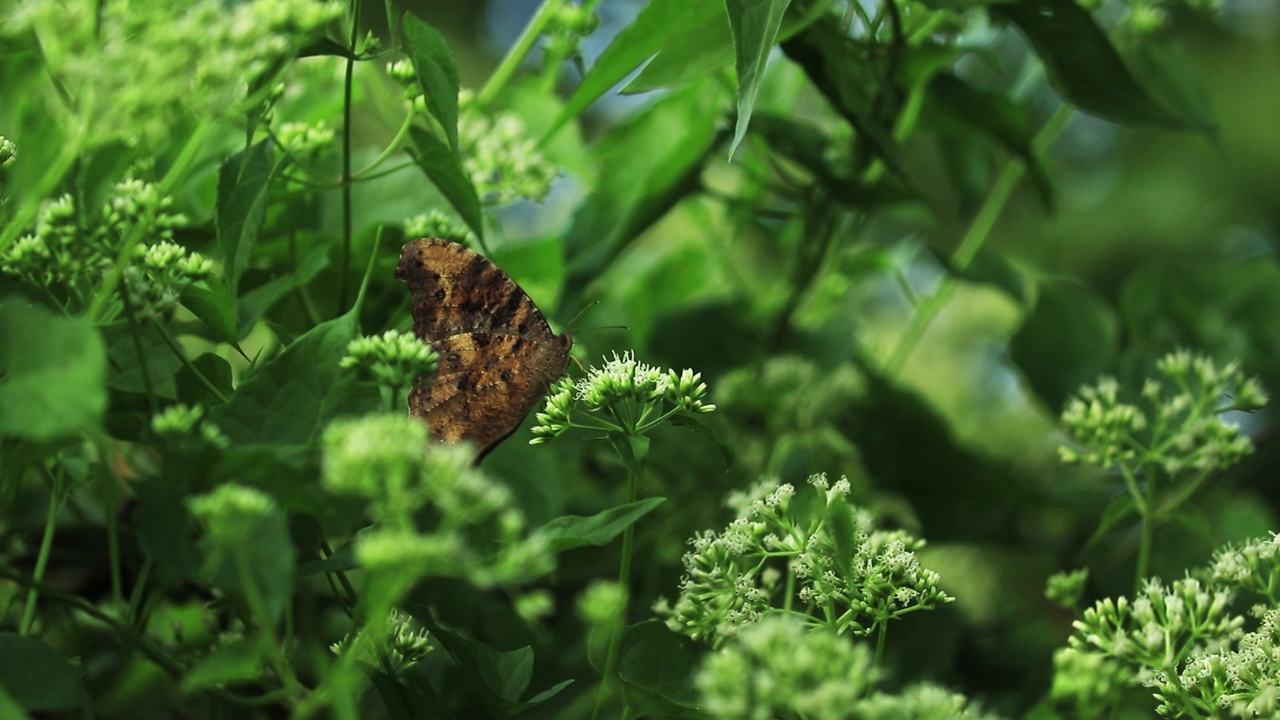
<point x="497" y="353"/>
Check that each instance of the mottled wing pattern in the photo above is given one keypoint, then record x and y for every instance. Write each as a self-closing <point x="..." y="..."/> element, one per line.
<point x="497" y="353"/>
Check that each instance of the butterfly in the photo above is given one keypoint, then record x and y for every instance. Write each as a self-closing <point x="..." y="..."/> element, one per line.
<point x="497" y="353"/>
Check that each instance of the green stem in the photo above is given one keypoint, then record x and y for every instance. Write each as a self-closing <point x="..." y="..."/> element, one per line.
<point x="136" y="334"/>
<point x="1148" y="535"/>
<point x="974" y="238"/>
<point x="344" y="264"/>
<point x="881" y="631"/>
<point x="624" y="577"/>
<point x="109" y="501"/>
<point x="182" y="356"/>
<point x="503" y="74"/>
<point x="56" y="496"/>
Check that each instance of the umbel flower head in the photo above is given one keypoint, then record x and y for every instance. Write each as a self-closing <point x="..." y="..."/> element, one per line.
<point x="852" y="576"/>
<point x="623" y="395"/>
<point x="1176" y="426"/>
<point x="392" y="359"/>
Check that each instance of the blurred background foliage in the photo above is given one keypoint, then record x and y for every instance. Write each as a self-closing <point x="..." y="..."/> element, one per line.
<point x="1143" y="239"/>
<point x="1156" y="238"/>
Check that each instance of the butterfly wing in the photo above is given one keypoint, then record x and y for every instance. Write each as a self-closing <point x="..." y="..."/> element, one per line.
<point x="497" y="353"/>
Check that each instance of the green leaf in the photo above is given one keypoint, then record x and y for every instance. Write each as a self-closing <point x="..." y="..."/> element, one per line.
<point x="501" y="676"/>
<point x="442" y="167"/>
<point x="633" y="45"/>
<point x="1068" y="339"/>
<point x="1119" y="508"/>
<point x="192" y="391"/>
<point x="698" y="45"/>
<point x="294" y="395"/>
<point x="37" y="677"/>
<point x="696" y="425"/>
<point x="236" y="662"/>
<point x="755" y="25"/>
<point x="572" y="531"/>
<point x="436" y="72"/>
<point x="212" y="302"/>
<point x="244" y="181"/>
<point x="648" y="163"/>
<point x="990" y="114"/>
<point x="657" y="664"/>
<point x="1163" y="66"/>
<point x="255" y="303"/>
<point x="840" y="520"/>
<point x="1083" y="64"/>
<point x="165" y="528"/>
<point x="258" y="568"/>
<point x="9" y="707"/>
<point x="52" y="374"/>
<point x="846" y="74"/>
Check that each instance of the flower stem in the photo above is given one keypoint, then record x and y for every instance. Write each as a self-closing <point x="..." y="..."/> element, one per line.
<point x="344" y="263"/>
<point x="56" y="497"/>
<point x="624" y="577"/>
<point x="502" y="75"/>
<point x="973" y="240"/>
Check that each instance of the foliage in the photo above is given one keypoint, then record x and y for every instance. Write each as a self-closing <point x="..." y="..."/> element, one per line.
<point x="887" y="240"/>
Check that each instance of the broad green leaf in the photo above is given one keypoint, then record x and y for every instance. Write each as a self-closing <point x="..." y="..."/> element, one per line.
<point x="661" y="663"/>
<point x="52" y="374"/>
<point x="1068" y="339"/>
<point x="9" y="708"/>
<point x="37" y="677"/>
<point x="647" y="164"/>
<point x="501" y="676"/>
<point x="326" y="46"/>
<point x="256" y="302"/>
<point x="193" y="391"/>
<point x="258" y="568"/>
<point x="572" y="531"/>
<point x="845" y="72"/>
<point x="755" y="25"/>
<point x="633" y="45"/>
<point x="990" y="114"/>
<point x="1083" y="64"/>
<point x="1163" y="66"/>
<point x="211" y="302"/>
<point x="436" y="72"/>
<point x="294" y="395"/>
<point x="442" y="167"/>
<point x="234" y="662"/>
<point x="164" y="526"/>
<point x="243" y="184"/>
<point x="697" y="46"/>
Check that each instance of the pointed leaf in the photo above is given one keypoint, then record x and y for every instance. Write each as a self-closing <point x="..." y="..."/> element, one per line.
<point x="436" y="72"/>
<point x="1119" y="508"/>
<point x="442" y="167"/>
<point x="662" y="662"/>
<point x="52" y="373"/>
<point x="755" y="25"/>
<point x="243" y="184"/>
<point x="1083" y="64"/>
<point x="706" y="431"/>
<point x="37" y="677"/>
<point x="294" y="395"/>
<point x="1068" y="339"/>
<point x="572" y="531"/>
<point x="633" y="45"/>
<point x="211" y="302"/>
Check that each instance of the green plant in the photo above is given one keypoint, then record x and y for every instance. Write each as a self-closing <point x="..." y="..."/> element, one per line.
<point x="212" y="505"/>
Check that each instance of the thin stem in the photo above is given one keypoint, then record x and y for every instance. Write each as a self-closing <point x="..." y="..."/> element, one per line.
<point x="1148" y="535"/>
<point x="880" y="635"/>
<point x="344" y="264"/>
<point x="56" y="497"/>
<point x="503" y="74"/>
<point x="182" y="356"/>
<point x="109" y="501"/>
<point x="136" y="333"/>
<point x="974" y="238"/>
<point x="624" y="577"/>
